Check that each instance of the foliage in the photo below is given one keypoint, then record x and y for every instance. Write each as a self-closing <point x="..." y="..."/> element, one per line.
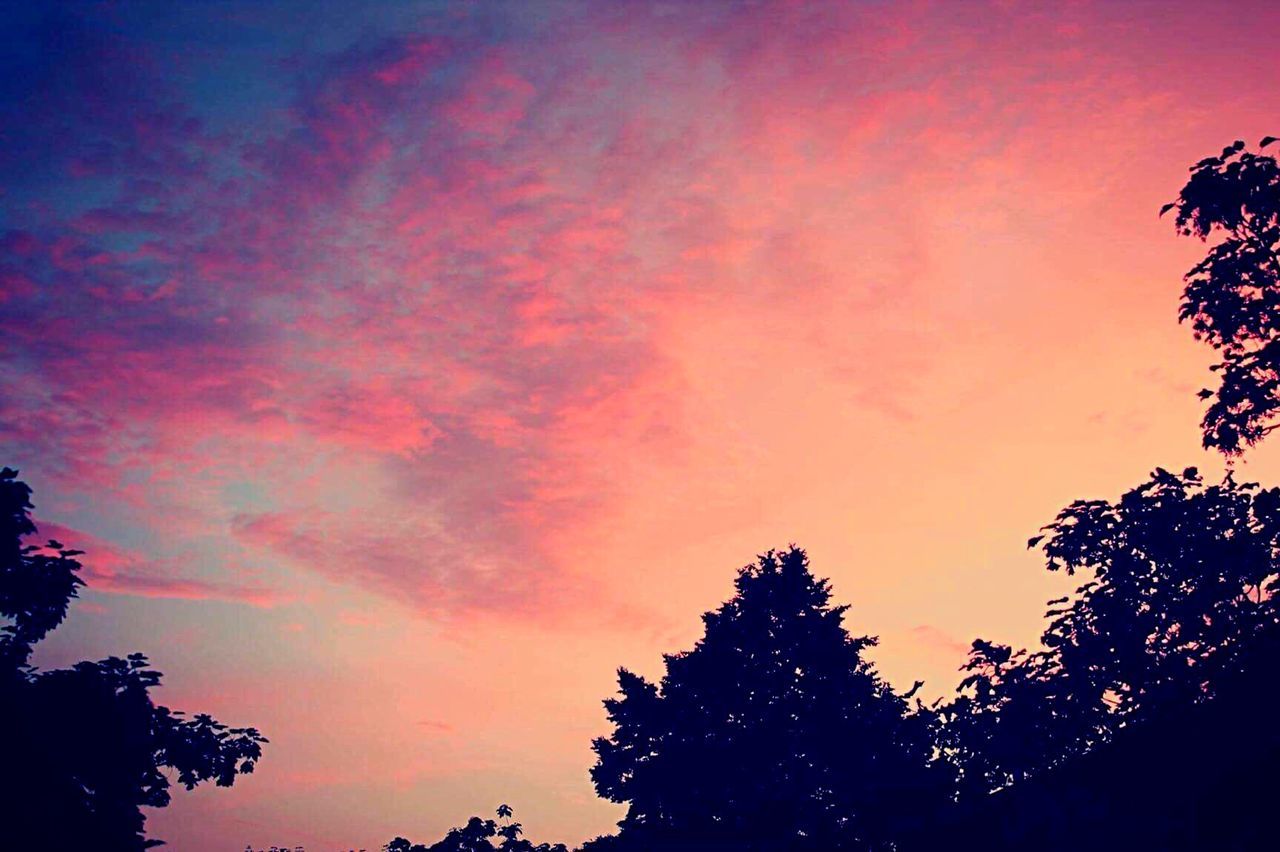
<point x="1232" y="297"/>
<point x="86" y="747"/>
<point x="479" y="835"/>
<point x="773" y="732"/>
<point x="36" y="584"/>
<point x="1179" y="602"/>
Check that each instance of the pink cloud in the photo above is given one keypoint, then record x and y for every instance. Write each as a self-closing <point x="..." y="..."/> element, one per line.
<point x="937" y="639"/>
<point x="114" y="570"/>
<point x="435" y="726"/>
<point x="447" y="305"/>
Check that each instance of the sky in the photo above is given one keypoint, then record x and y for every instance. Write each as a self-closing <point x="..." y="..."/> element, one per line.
<point x="406" y="368"/>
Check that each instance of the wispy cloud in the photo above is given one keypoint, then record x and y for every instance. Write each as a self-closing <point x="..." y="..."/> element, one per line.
<point x="447" y="296"/>
<point x="115" y="570"/>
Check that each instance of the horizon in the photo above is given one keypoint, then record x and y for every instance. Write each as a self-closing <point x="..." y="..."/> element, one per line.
<point x="405" y="374"/>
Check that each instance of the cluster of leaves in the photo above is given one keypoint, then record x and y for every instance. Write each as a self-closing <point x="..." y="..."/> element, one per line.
<point x="37" y="584"/>
<point x="89" y="745"/>
<point x="479" y="835"/>
<point x="1232" y="297"/>
<point x="1180" y="601"/>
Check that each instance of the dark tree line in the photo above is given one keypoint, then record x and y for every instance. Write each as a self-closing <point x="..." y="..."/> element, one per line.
<point x="1180" y="599"/>
<point x="86" y="748"/>
<point x="1136" y="722"/>
<point x="480" y="835"/>
<point x="1144" y="720"/>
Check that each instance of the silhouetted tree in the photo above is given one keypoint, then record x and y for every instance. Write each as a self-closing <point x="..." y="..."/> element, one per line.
<point x="85" y="748"/>
<point x="1179" y="606"/>
<point x="480" y="835"/>
<point x="1232" y="297"/>
<point x="774" y="732"/>
<point x="1143" y="720"/>
<point x="401" y="844"/>
<point x="36" y="584"/>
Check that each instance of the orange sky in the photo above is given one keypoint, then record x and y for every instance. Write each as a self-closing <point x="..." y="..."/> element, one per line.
<point x="403" y="377"/>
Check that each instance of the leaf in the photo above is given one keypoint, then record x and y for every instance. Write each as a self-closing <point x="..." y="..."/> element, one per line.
<point x="1267" y="140"/>
<point x="1166" y="208"/>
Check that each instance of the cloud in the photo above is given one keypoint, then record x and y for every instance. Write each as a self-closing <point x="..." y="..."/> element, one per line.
<point x="445" y="300"/>
<point x="938" y="639"/>
<point x="110" y="569"/>
<point x="435" y="726"/>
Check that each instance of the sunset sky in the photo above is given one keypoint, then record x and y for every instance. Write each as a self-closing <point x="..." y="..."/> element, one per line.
<point x="406" y="370"/>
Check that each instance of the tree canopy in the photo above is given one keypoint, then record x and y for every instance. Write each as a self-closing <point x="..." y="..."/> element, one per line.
<point x="480" y="835"/>
<point x="1232" y="296"/>
<point x="773" y="732"/>
<point x="86" y="747"/>
<point x="1178" y="607"/>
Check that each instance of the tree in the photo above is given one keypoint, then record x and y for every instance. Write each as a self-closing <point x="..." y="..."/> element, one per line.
<point x="774" y="732"/>
<point x="480" y="835"/>
<point x="36" y="584"/>
<point x="1143" y="720"/>
<point x="86" y="748"/>
<point x="1180" y="608"/>
<point x="1232" y="297"/>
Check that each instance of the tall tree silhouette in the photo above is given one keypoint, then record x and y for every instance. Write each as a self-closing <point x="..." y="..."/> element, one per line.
<point x="774" y="732"/>
<point x="86" y="747"/>
<point x="1232" y="297"/>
